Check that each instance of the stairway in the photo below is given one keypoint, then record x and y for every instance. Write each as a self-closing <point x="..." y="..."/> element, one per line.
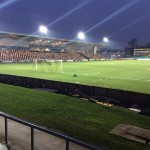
<point x="3" y="147"/>
<point x="84" y="56"/>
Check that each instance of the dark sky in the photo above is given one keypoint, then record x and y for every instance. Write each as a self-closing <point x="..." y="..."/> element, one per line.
<point x="120" y="20"/>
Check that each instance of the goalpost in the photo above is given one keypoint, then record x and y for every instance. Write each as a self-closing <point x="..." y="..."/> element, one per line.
<point x="34" y="64"/>
<point x="56" y="66"/>
<point x="53" y="66"/>
<point x="61" y="67"/>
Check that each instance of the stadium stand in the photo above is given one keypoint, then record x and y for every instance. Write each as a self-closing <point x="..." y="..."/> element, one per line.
<point x="7" y="55"/>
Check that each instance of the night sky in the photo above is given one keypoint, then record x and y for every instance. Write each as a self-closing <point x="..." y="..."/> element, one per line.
<point x="120" y="20"/>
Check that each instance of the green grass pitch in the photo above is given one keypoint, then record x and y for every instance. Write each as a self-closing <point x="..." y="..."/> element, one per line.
<point x="131" y="75"/>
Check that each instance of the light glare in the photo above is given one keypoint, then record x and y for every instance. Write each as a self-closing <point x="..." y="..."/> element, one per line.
<point x="43" y="29"/>
<point x="105" y="39"/>
<point x="81" y="36"/>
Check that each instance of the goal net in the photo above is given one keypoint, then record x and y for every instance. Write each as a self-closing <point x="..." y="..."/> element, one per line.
<point x="52" y="66"/>
<point x="56" y="66"/>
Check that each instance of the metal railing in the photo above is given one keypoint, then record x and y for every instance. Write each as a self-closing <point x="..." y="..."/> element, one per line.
<point x="32" y="126"/>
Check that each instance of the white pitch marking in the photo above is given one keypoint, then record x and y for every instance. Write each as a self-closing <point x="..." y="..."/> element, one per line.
<point x="92" y="75"/>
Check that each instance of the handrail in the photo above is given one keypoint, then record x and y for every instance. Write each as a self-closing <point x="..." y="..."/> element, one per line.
<point x="43" y="129"/>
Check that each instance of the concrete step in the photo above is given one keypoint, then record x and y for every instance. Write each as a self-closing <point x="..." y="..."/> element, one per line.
<point x="3" y="147"/>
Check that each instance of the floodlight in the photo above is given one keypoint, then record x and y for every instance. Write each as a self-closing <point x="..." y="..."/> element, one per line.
<point x="81" y="36"/>
<point x="105" y="39"/>
<point x="43" y="29"/>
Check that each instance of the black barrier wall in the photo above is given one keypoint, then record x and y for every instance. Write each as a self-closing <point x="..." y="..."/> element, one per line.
<point x="124" y="97"/>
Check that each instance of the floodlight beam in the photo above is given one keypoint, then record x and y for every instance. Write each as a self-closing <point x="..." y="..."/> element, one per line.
<point x="69" y="12"/>
<point x="7" y="3"/>
<point x="130" y="24"/>
<point x="122" y="9"/>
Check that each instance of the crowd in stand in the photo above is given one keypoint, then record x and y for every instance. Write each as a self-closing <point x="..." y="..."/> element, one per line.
<point x="28" y="56"/>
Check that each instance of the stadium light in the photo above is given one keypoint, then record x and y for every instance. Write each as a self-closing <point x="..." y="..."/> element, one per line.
<point x="105" y="39"/>
<point x="81" y="36"/>
<point x="43" y="29"/>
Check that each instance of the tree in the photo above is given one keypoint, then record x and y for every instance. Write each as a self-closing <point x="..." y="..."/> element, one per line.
<point x="133" y="43"/>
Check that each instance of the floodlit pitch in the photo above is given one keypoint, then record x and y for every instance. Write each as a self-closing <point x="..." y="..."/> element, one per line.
<point x="131" y="75"/>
